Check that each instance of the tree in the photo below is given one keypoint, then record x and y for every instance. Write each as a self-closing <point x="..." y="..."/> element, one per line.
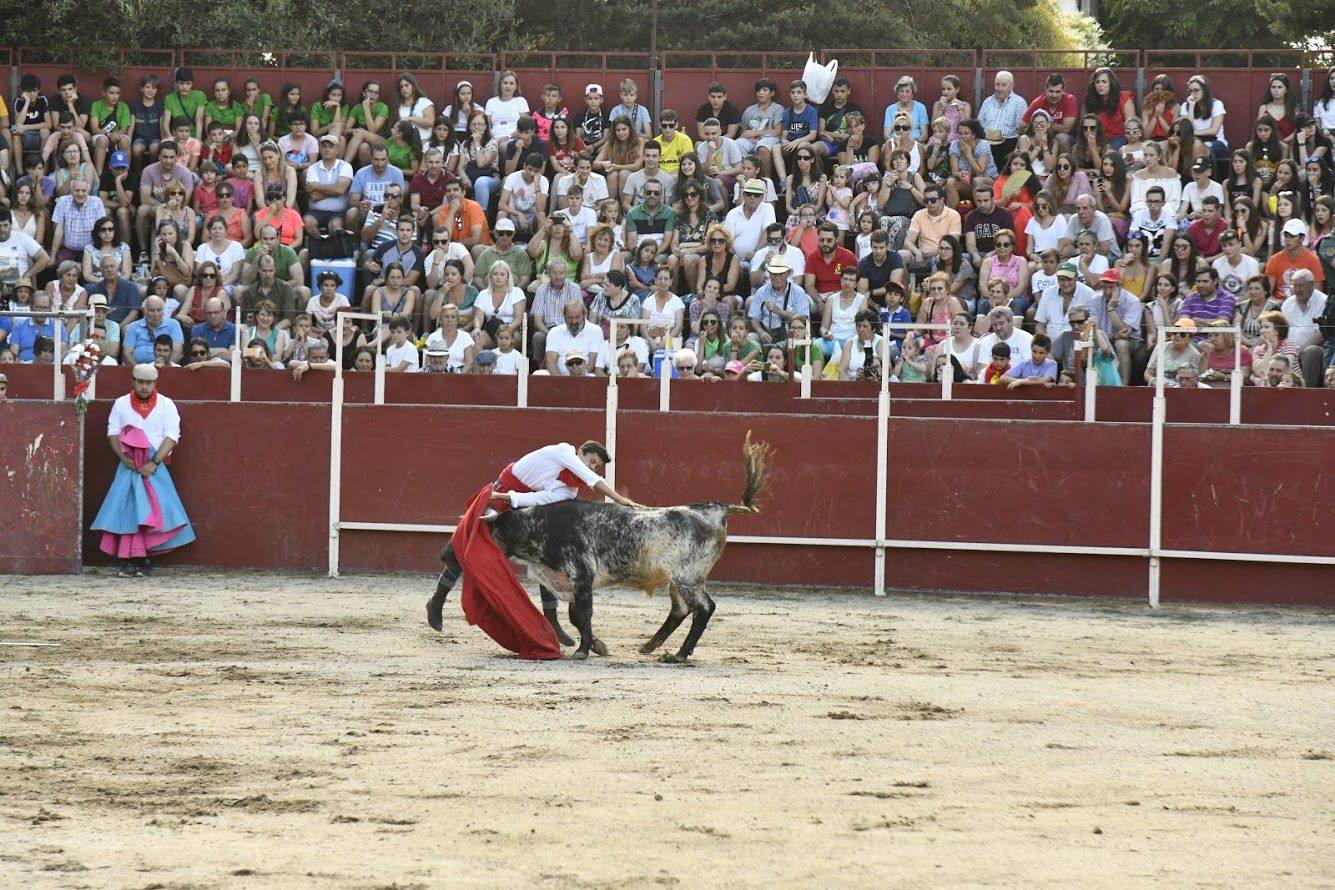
<point x="1229" y="24"/>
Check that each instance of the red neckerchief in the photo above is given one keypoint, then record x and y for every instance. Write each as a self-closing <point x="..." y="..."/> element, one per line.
<point x="144" y="407"/>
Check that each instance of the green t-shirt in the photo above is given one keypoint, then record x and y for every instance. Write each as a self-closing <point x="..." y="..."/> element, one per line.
<point x="103" y="112"/>
<point x="322" y="116"/>
<point x="227" y="115"/>
<point x="283" y="259"/>
<point x="400" y="154"/>
<point x="263" y="102"/>
<point x="178" y="107"/>
<point x="358" y="115"/>
<point x="520" y="263"/>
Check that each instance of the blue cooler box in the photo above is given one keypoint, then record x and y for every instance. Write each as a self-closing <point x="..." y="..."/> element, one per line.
<point x="346" y="270"/>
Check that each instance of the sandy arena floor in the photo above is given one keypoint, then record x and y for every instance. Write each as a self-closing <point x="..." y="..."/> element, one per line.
<point x="206" y="730"/>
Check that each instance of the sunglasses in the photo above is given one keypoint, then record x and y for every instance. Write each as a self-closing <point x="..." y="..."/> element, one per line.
<point x="1091" y="127"/>
<point x="199" y="353"/>
<point x="902" y="129"/>
<point x="439" y="242"/>
<point x="1063" y="166"/>
<point x="718" y="240"/>
<point x="1003" y="244"/>
<point x="208" y="275"/>
<point x="709" y="323"/>
<point x="930" y="200"/>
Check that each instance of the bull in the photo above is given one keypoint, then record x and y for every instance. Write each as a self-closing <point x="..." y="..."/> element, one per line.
<point x="573" y="547"/>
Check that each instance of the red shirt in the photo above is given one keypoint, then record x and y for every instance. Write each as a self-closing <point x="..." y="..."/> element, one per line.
<point x="827" y="274"/>
<point x="1066" y="109"/>
<point x="1207" y="240"/>
<point x="288" y="226"/>
<point x="433" y="193"/>
<point x="1114" y="123"/>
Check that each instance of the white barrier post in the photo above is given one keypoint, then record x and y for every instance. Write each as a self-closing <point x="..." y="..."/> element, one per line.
<point x="804" y="377"/>
<point x="336" y="430"/>
<point x="379" y="396"/>
<point x="1091" y="379"/>
<point x="58" y="365"/>
<point x="236" y="357"/>
<point x="882" y="463"/>
<point x="1156" y="467"/>
<point x="665" y="375"/>
<point x="1235" y="381"/>
<point x="610" y="419"/>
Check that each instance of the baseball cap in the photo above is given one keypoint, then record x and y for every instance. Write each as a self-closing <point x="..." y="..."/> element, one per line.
<point x="505" y="225"/>
<point x="1202" y="163"/>
<point x="593" y="88"/>
<point x="754" y="187"/>
<point x="1185" y="321"/>
<point x="734" y="367"/>
<point x="1296" y="227"/>
<point x="120" y="159"/>
<point x="575" y="355"/>
<point x="330" y="138"/>
<point x="97" y="300"/>
<point x="485" y="357"/>
<point x="1111" y="275"/>
<point x="1066" y="270"/>
<point x="778" y="265"/>
<point x="273" y="190"/>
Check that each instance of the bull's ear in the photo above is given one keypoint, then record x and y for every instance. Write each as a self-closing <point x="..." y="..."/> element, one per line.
<point x="490" y="516"/>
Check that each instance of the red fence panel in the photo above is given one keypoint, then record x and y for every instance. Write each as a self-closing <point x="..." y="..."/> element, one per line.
<point x="41" y="483"/>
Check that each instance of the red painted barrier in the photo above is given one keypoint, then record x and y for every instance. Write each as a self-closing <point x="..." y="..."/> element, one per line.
<point x="41" y="458"/>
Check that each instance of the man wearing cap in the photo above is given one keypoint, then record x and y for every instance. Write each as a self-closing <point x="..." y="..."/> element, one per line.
<point x="117" y="187"/>
<point x="1295" y="255"/>
<point x="111" y="331"/>
<point x="74" y="217"/>
<point x="138" y="336"/>
<point x="20" y="255"/>
<point x="505" y="250"/>
<point x="593" y="122"/>
<point x="1202" y="186"/>
<point x="1058" y="299"/>
<point x="777" y="245"/>
<point x="747" y="221"/>
<point x="1122" y="321"/>
<point x="1088" y="217"/>
<point x="142" y="430"/>
<point x="575" y="363"/>
<point x="777" y="302"/>
<point x="575" y="336"/>
<point x="328" y="182"/>
<point x="120" y="297"/>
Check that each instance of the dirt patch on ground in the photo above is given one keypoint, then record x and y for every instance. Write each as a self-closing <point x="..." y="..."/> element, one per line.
<point x="200" y="730"/>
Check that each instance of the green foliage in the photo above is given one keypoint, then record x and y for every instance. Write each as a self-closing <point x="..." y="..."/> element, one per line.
<point x="1227" y="24"/>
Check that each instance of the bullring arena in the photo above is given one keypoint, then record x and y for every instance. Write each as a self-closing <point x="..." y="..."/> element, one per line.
<point x="973" y="637"/>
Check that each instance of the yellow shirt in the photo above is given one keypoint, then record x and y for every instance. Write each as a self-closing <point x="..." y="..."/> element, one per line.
<point x="674" y="150"/>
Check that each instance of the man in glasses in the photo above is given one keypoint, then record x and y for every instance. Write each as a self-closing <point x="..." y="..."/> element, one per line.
<point x="652" y="220"/>
<point x="747" y="221"/>
<point x="826" y="265"/>
<point x="928" y="226"/>
<point x="507" y="251"/>
<point x="673" y="143"/>
<point x="381" y="225"/>
<point x="1156" y="224"/>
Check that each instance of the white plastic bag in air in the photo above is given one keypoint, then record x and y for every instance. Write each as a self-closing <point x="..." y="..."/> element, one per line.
<point x="819" y="78"/>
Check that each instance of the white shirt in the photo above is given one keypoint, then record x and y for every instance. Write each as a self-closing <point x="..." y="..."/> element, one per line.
<point x="635" y="344"/>
<point x="1302" y="324"/>
<point x="395" y="355"/>
<point x="524" y="194"/>
<point x="462" y="342"/>
<point x="508" y="362"/>
<point x="589" y="340"/>
<point x="163" y="422"/>
<point x="319" y="174"/>
<point x="795" y="257"/>
<point x="1051" y="313"/>
<point x="16" y="255"/>
<point x="665" y="317"/>
<point x="1020" y="342"/>
<point x="231" y="255"/>
<point x="539" y="471"/>
<point x="452" y="251"/>
<point x="504" y="115"/>
<point x="581" y="222"/>
<point x="1233" y="279"/>
<point x="326" y="315"/>
<point x="1199" y="125"/>
<point x="595" y="189"/>
<point x="1041" y="239"/>
<point x="748" y="233"/>
<point x="417" y="109"/>
<point x="1192" y="196"/>
<point x="486" y="301"/>
<point x="1153" y="229"/>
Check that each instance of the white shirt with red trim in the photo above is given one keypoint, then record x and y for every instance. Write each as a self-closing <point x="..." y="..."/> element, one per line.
<point x="549" y="472"/>
<point x="163" y="422"/>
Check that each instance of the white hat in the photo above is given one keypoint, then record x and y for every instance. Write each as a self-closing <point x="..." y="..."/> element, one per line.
<point x="575" y="353"/>
<point x="685" y="358"/>
<point x="505" y="225"/>
<point x="145" y="372"/>
<point x="593" y="88"/>
<point x="437" y="351"/>
<point x="778" y="265"/>
<point x="1296" y="227"/>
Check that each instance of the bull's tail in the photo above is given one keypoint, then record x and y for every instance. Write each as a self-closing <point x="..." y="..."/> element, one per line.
<point x="758" y="456"/>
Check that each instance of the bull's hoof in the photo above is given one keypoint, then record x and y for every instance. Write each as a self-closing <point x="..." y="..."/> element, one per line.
<point x="578" y="655"/>
<point x="561" y="636"/>
<point x="674" y="658"/>
<point x="598" y="647"/>
<point x="433" y="610"/>
<point x="647" y="648"/>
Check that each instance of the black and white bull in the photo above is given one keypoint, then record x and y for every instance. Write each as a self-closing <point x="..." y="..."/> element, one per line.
<point x="573" y="547"/>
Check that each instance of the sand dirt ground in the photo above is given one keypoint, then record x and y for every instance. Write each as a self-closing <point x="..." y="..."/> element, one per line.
<point x="207" y="730"/>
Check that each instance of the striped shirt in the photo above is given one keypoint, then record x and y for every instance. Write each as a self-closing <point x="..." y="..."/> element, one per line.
<point x="1005" y="117"/>
<point x="77" y="222"/>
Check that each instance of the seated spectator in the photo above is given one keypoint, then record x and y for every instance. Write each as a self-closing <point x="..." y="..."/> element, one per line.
<point x="454" y="346"/>
<point x="1176" y="350"/>
<point x="1206" y="301"/>
<point x="1283" y="264"/>
<point x="748" y="221"/>
<point x="74" y="217"/>
<point x="1071" y="350"/>
<point x="287" y="263"/>
<point x="328" y="184"/>
<point x="190" y="312"/>
<point x="1038" y="370"/>
<point x="825" y="265"/>
<point x="928" y="227"/>
<point x="317" y="359"/>
<point x="504" y="250"/>
<point x="370" y="191"/>
<point x="632" y="191"/>
<point x="554" y="242"/>
<point x="395" y="298"/>
<point x="840" y="310"/>
<point x="1001" y="114"/>
<point x="665" y="313"/>
<point x="1278" y="375"/>
<point x="265" y="329"/>
<point x="401" y="353"/>
<point x="268" y="287"/>
<point x="554" y="294"/>
<point x="1219" y="355"/>
<point x="574" y="336"/>
<point x="451" y="287"/>
<point x="599" y="260"/>
<point x="403" y="250"/>
<point x="108" y="332"/>
<point x="501" y="302"/>
<point x="137" y="338"/>
<point x="1207" y="231"/>
<point x="970" y="157"/>
<point x="119" y="295"/>
<point x="772" y="368"/>
<point x="1303" y="309"/>
<point x="1003" y="332"/>
<point x="524" y="196"/>
<point x="861" y="358"/>
<point x="217" y="332"/>
<point x="777" y="302"/>
<point x="1056" y="302"/>
<point x="594" y="185"/>
<point x="1088" y="218"/>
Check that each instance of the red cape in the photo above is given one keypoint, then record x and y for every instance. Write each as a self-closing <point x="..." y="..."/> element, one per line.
<point x="493" y="598"/>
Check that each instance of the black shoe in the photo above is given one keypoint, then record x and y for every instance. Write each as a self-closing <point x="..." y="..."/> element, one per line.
<point x="145" y="567"/>
<point x="128" y="570"/>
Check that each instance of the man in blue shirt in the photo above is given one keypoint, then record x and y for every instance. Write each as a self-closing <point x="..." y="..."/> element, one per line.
<point x="217" y="331"/>
<point x="777" y="302"/>
<point x="1039" y="370"/>
<point x="122" y="297"/>
<point x="27" y="330"/>
<point x="367" y="192"/>
<point x="137" y="337"/>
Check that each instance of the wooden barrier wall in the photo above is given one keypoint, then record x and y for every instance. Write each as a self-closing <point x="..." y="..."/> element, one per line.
<point x="41" y="494"/>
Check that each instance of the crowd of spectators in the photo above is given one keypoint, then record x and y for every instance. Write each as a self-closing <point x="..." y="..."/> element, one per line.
<point x="740" y="242"/>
